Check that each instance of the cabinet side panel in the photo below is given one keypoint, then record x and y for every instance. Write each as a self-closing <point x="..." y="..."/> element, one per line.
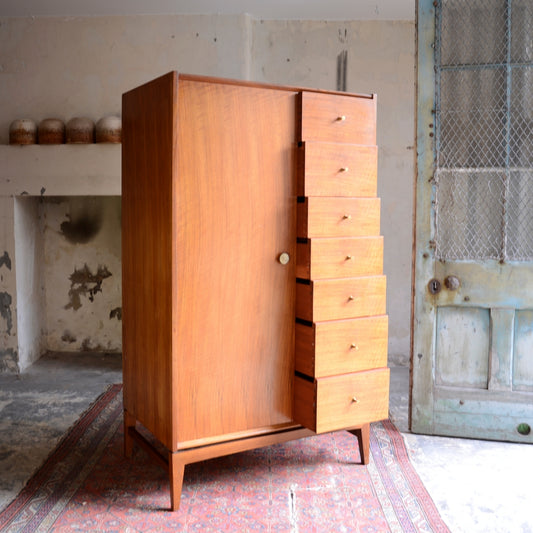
<point x="236" y="213"/>
<point x="147" y="161"/>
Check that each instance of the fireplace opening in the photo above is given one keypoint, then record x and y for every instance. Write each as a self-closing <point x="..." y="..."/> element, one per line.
<point x="68" y="275"/>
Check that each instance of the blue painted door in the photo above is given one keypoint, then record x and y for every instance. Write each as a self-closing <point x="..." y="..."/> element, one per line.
<point x="472" y="357"/>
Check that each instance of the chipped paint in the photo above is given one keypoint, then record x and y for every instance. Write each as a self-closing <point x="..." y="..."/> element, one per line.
<point x="423" y="314"/>
<point x="116" y="313"/>
<point x="5" y="310"/>
<point x="88" y="346"/>
<point x="85" y="283"/>
<point x="475" y="377"/>
<point x="8" y="360"/>
<point x="5" y="260"/>
<point x="68" y="337"/>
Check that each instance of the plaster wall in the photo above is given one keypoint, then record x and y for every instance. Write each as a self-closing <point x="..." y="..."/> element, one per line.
<point x="67" y="67"/>
<point x="82" y="269"/>
<point x="8" y="290"/>
<point x="30" y="283"/>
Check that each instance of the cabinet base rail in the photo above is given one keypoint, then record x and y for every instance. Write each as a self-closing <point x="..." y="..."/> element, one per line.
<point x="174" y="462"/>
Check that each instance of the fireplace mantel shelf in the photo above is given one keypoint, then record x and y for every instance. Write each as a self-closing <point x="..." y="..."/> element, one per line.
<point x="60" y="170"/>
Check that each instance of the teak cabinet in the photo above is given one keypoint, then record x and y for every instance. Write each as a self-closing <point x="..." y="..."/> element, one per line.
<point x="253" y="293"/>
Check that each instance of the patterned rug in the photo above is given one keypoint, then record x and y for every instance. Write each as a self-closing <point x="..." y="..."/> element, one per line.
<point x="313" y="484"/>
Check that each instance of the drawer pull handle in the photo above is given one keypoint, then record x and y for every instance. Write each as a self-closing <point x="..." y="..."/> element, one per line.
<point x="349" y="257"/>
<point x="354" y="346"/>
<point x="344" y="169"/>
<point x="354" y="399"/>
<point x="346" y="216"/>
<point x="341" y="118"/>
<point x="351" y="298"/>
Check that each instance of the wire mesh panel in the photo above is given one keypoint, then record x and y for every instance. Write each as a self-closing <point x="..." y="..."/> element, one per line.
<point x="484" y="130"/>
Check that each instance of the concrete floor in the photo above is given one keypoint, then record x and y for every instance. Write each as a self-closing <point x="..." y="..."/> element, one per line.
<point x="478" y="486"/>
<point x="38" y="406"/>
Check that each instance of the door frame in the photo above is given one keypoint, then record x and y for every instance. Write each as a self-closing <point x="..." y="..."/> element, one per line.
<point x="422" y="348"/>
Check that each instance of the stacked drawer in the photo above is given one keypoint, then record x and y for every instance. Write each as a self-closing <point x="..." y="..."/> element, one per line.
<point x="341" y="331"/>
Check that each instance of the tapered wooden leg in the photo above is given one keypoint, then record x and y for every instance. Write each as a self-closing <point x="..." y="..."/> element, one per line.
<point x="363" y="437"/>
<point x="129" y="421"/>
<point x="176" y="469"/>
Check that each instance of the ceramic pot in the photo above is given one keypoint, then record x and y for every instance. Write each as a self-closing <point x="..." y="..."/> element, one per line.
<point x="51" y="131"/>
<point x="80" y="130"/>
<point x="109" y="129"/>
<point x="23" y="131"/>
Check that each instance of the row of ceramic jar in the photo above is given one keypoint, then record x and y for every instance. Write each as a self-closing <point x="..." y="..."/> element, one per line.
<point x="78" y="130"/>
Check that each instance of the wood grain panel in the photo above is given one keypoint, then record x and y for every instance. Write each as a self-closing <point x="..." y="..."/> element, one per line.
<point x="338" y="217"/>
<point x="147" y="243"/>
<point x="349" y="400"/>
<point x="335" y="169"/>
<point x="235" y="193"/>
<point x="341" y="298"/>
<point x="341" y="346"/>
<point x="338" y="118"/>
<point x="340" y="258"/>
<point x="304" y="350"/>
<point x="305" y="403"/>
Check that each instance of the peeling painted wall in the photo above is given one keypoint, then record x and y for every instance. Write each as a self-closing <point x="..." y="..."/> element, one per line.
<point x="83" y="65"/>
<point x="8" y="356"/>
<point x="82" y="246"/>
<point x="8" y="290"/>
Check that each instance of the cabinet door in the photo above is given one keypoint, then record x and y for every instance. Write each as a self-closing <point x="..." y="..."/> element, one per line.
<point x="235" y="213"/>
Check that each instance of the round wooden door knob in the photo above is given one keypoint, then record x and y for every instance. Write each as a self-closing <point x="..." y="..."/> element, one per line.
<point x="284" y="258"/>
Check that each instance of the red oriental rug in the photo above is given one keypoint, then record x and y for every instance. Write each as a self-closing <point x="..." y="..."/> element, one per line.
<point x="312" y="484"/>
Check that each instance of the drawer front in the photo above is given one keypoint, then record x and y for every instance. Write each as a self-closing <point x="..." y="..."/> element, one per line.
<point x="339" y="258"/>
<point x="345" y="401"/>
<point x="341" y="346"/>
<point x="334" y="299"/>
<point x="334" y="169"/>
<point x="338" y="118"/>
<point x="338" y="217"/>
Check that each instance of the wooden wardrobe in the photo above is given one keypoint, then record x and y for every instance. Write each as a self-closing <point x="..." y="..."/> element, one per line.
<point x="253" y="291"/>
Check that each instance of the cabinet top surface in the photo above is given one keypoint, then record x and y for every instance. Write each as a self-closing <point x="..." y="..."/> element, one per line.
<point x="244" y="83"/>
